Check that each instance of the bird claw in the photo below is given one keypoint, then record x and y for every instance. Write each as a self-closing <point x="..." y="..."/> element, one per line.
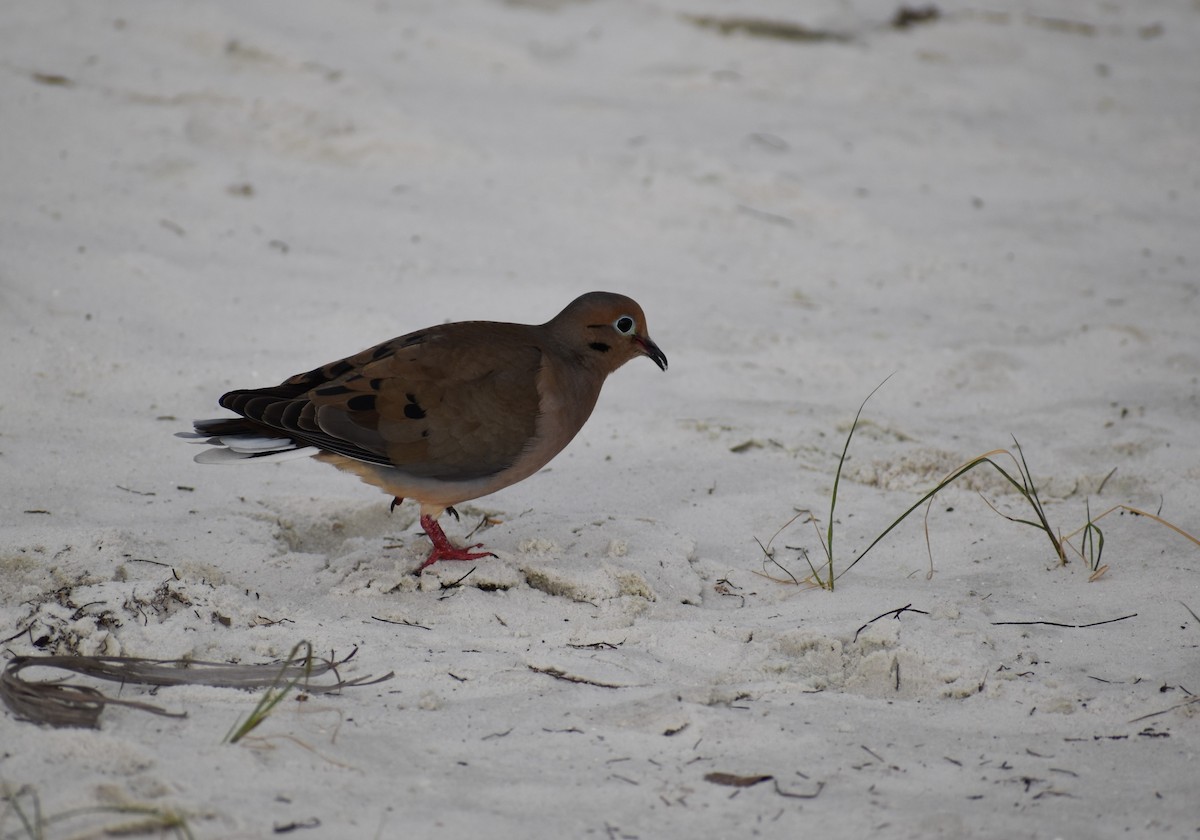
<point x="443" y="549"/>
<point x="452" y="553"/>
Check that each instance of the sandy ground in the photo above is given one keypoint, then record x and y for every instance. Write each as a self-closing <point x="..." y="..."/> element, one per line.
<point x="998" y="208"/>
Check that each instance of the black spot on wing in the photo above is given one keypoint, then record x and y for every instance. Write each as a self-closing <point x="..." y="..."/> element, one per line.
<point x="332" y="391"/>
<point x="340" y="369"/>
<point x="363" y="402"/>
<point x="390" y="347"/>
<point x="412" y="409"/>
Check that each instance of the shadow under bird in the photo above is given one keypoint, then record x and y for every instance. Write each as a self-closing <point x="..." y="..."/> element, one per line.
<point x="445" y="414"/>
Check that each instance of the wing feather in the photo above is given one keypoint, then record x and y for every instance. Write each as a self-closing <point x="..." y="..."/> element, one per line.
<point x="451" y="402"/>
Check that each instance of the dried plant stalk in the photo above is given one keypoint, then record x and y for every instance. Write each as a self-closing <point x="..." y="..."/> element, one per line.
<point x="57" y="703"/>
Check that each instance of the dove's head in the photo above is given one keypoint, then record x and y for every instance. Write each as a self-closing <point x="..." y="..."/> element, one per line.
<point x="607" y="330"/>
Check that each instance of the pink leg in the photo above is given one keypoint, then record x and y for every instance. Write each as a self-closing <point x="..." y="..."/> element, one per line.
<point x="442" y="549"/>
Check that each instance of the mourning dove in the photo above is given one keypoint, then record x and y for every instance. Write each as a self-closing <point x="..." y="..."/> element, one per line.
<point x="445" y="414"/>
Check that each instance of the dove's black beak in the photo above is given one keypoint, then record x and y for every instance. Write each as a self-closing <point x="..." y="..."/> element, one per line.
<point x="651" y="349"/>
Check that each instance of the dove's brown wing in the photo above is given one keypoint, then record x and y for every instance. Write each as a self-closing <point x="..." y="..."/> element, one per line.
<point x="451" y="402"/>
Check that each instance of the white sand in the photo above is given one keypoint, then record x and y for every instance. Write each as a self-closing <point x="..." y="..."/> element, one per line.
<point x="1001" y="208"/>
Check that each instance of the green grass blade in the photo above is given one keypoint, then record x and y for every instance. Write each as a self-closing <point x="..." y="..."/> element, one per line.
<point x="941" y="485"/>
<point x="272" y="696"/>
<point x="837" y="480"/>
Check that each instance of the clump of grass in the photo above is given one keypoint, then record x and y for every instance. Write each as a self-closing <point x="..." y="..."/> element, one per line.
<point x="1022" y="481"/>
<point x="1091" y="543"/>
<point x="25" y="804"/>
<point x="1019" y="477"/>
<point x="1017" y="474"/>
<point x="299" y="668"/>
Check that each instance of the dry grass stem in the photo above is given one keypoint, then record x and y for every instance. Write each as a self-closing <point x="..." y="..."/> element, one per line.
<point x="137" y="819"/>
<point x="57" y="703"/>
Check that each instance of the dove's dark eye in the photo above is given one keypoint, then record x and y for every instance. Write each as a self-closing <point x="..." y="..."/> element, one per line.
<point x="624" y="325"/>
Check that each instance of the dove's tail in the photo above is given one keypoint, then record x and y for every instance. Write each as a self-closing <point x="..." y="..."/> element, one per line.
<point x="234" y="440"/>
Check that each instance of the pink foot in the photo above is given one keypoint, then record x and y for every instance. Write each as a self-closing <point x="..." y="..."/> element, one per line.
<point x="442" y="549"/>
